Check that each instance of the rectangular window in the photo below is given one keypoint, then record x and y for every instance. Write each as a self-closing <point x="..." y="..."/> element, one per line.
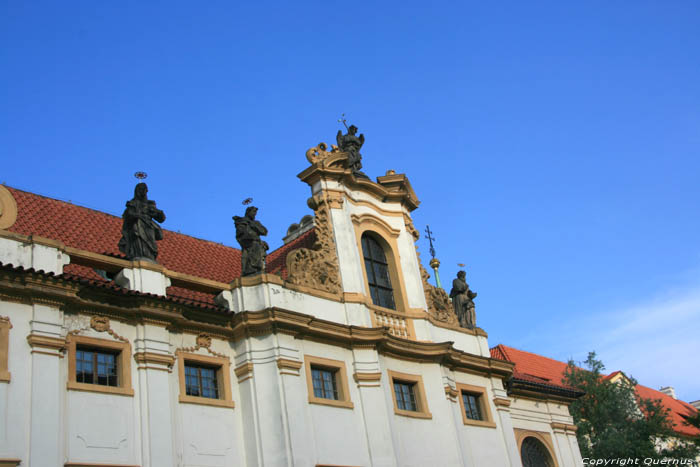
<point x="327" y="382"/>
<point x="204" y="379"/>
<point x="99" y="365"/>
<point x="201" y="381"/>
<point x="474" y="403"/>
<point x="324" y="382"/>
<point x="408" y="394"/>
<point x="472" y="406"/>
<point x="405" y="396"/>
<point x="95" y="366"/>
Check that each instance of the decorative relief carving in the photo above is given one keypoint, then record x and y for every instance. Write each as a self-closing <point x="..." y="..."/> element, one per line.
<point x="101" y="324"/>
<point x="319" y="154"/>
<point x="439" y="306"/>
<point x="203" y="342"/>
<point x="317" y="268"/>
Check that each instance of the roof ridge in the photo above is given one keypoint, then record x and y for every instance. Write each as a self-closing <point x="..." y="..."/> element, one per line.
<point x="535" y="354"/>
<point x="71" y="203"/>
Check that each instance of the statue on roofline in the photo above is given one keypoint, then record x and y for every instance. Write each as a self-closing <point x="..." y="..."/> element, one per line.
<point x="253" y="249"/>
<point x="463" y="301"/>
<point x="351" y="144"/>
<point x="140" y="230"/>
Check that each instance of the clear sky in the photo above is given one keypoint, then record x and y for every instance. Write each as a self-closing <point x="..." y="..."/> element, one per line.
<point x="554" y="145"/>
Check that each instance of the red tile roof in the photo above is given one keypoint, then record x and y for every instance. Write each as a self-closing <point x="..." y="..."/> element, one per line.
<point x="536" y="368"/>
<point x="98" y="232"/>
<point x="532" y="367"/>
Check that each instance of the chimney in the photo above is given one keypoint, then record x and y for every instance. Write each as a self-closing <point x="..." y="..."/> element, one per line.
<point x="696" y="404"/>
<point x="668" y="390"/>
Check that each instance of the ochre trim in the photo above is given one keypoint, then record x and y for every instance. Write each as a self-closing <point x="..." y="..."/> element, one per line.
<point x="244" y="371"/>
<point x="46" y="342"/>
<point x="563" y="427"/>
<point x="153" y="357"/>
<point x="242" y="325"/>
<point x="223" y="379"/>
<point x="361" y="377"/>
<point x="341" y="381"/>
<point x="5" y="326"/>
<point x="288" y="366"/>
<point x="8" y="208"/>
<point x="419" y="392"/>
<point x="372" y="220"/>
<point x="501" y="402"/>
<point x="123" y="365"/>
<point x="10" y="462"/>
<point x="482" y="399"/>
<point x="543" y="437"/>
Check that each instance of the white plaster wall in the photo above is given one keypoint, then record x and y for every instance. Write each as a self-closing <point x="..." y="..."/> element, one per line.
<point x="528" y="414"/>
<point x="417" y="441"/>
<point x="328" y="422"/>
<point x="15" y="397"/>
<point x="32" y="255"/>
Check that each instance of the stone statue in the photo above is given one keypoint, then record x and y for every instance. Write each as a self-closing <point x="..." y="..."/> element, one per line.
<point x="254" y="250"/>
<point x="463" y="301"/>
<point x="140" y="232"/>
<point x="351" y="143"/>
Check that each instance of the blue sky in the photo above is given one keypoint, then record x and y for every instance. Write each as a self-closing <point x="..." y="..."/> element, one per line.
<point x="554" y="145"/>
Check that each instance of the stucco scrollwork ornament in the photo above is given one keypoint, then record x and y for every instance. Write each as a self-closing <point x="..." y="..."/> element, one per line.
<point x="318" y="153"/>
<point x="102" y="324"/>
<point x="317" y="267"/>
<point x="439" y="306"/>
<point x="203" y="341"/>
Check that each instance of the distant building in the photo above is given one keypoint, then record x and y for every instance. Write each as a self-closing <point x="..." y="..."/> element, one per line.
<point x="340" y="354"/>
<point x="546" y="371"/>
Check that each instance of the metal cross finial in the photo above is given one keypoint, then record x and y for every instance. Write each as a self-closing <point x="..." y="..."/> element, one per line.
<point x="430" y="238"/>
<point x="343" y="121"/>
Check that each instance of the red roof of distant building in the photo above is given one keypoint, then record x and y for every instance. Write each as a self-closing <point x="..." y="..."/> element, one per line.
<point x="536" y="368"/>
<point x="532" y="367"/>
<point x="99" y="232"/>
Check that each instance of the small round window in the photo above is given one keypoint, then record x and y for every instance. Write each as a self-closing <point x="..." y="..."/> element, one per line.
<point x="534" y="454"/>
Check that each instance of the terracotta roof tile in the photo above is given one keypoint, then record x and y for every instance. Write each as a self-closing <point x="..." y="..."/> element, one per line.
<point x="99" y="232"/>
<point x="536" y="368"/>
<point x="532" y="367"/>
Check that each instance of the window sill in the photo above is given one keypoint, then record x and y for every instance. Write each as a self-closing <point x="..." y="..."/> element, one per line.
<point x="484" y="423"/>
<point x="119" y="391"/>
<point x="412" y="414"/>
<point x="331" y="402"/>
<point x="206" y="401"/>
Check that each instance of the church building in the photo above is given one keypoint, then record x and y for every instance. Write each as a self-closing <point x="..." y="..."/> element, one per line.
<point x="124" y="344"/>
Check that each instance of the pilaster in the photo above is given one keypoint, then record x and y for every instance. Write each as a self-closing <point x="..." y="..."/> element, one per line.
<point x="154" y="365"/>
<point x="368" y="377"/>
<point x="502" y="403"/>
<point x="47" y="344"/>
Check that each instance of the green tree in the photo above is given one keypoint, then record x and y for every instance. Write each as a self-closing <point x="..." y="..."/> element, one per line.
<point x="613" y="421"/>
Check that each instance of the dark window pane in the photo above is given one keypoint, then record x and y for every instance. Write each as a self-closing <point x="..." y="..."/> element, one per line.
<point x="96" y="367"/>
<point x="324" y="383"/>
<point x="201" y="382"/>
<point x="405" y="396"/>
<point x="472" y="407"/>
<point x="378" y="277"/>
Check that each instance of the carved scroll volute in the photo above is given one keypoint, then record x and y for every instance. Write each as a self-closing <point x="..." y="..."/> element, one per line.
<point x="317" y="267"/>
<point x="318" y="153"/>
<point x="439" y="305"/>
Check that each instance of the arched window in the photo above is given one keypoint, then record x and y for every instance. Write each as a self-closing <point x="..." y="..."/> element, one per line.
<point x="377" y="273"/>
<point x="534" y="454"/>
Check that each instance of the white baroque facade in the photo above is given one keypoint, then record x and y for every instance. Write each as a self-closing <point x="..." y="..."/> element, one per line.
<point x="409" y="387"/>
